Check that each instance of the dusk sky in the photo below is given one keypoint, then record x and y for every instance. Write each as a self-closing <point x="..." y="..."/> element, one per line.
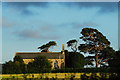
<point x="28" y="25"/>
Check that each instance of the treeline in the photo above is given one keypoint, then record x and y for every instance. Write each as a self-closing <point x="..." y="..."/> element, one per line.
<point x="82" y="70"/>
<point x="41" y="64"/>
<point x="17" y="66"/>
<point x="75" y="63"/>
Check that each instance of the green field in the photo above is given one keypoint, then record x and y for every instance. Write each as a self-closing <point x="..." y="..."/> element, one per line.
<point x="48" y="75"/>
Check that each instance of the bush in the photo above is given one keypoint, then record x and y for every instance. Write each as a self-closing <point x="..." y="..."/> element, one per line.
<point x="74" y="60"/>
<point x="81" y="70"/>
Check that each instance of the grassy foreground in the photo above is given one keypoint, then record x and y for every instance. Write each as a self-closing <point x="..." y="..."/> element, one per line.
<point x="45" y="76"/>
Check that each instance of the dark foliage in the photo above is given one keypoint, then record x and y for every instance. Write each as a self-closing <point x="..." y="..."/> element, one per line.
<point x="45" y="47"/>
<point x="18" y="58"/>
<point x="79" y="70"/>
<point x="17" y="66"/>
<point x="94" y="42"/>
<point x="74" y="60"/>
<point x="72" y="44"/>
<point x="40" y="64"/>
<point x="114" y="63"/>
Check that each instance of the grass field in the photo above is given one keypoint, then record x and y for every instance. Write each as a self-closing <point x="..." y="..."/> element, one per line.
<point x="48" y="75"/>
<point x="44" y="75"/>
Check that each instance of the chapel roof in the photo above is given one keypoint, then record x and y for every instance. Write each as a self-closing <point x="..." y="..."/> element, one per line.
<point x="48" y="55"/>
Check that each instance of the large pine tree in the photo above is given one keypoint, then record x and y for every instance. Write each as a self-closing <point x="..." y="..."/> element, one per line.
<point x="94" y="43"/>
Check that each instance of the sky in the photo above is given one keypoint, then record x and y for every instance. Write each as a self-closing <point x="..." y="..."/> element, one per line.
<point x="28" y="25"/>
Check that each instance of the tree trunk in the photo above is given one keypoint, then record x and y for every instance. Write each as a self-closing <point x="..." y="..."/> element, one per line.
<point x="96" y="60"/>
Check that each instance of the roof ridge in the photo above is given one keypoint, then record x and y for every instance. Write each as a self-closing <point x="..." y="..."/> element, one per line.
<point x="34" y="52"/>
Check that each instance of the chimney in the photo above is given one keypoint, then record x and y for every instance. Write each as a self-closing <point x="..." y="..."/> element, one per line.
<point x="63" y="49"/>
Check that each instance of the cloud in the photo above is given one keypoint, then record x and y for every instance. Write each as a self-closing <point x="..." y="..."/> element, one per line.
<point x="47" y="27"/>
<point x="78" y="24"/>
<point x="7" y="23"/>
<point x="66" y="24"/>
<point x="32" y="34"/>
<point x="23" y="6"/>
<point x="104" y="6"/>
<point x="85" y="24"/>
<point x="26" y="12"/>
<point x="28" y="34"/>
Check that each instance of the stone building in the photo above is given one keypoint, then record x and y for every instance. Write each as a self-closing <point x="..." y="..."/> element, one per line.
<point x="57" y="58"/>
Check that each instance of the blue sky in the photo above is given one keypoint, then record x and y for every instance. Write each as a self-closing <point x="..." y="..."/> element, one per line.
<point x="28" y="25"/>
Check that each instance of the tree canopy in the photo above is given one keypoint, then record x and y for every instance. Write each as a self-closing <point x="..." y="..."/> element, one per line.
<point x="18" y="58"/>
<point x="45" y="47"/>
<point x="95" y="41"/>
<point x="114" y="63"/>
<point x="15" y="66"/>
<point x="74" y="60"/>
<point x="39" y="64"/>
<point x="72" y="44"/>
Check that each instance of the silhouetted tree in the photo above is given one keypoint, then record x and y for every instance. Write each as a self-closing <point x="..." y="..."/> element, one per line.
<point x="106" y="55"/>
<point x="114" y="63"/>
<point x="16" y="66"/>
<point x="18" y="58"/>
<point x="89" y="61"/>
<point x="45" y="47"/>
<point x="94" y="42"/>
<point x="72" y="44"/>
<point x="40" y="64"/>
<point x="8" y="67"/>
<point x="74" y="60"/>
<point x="19" y="63"/>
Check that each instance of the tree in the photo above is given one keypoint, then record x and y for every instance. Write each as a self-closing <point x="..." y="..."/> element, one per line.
<point x="18" y="58"/>
<point x="16" y="66"/>
<point x="106" y="55"/>
<point x="19" y="63"/>
<point x="8" y="67"/>
<point x="72" y="44"/>
<point x="74" y="60"/>
<point x="114" y="63"/>
<point x="45" y="47"/>
<point x="89" y="61"/>
<point x="40" y="64"/>
<point x="94" y="43"/>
